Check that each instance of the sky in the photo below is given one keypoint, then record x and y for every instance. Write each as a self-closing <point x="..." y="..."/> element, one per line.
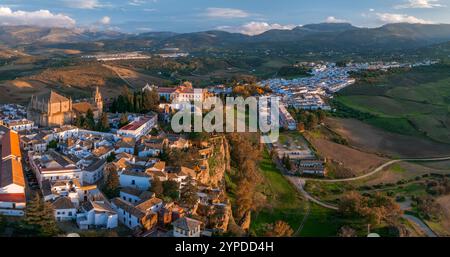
<point x="244" y="16"/>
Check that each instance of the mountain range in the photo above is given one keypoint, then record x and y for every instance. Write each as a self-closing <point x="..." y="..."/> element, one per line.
<point x="311" y="37"/>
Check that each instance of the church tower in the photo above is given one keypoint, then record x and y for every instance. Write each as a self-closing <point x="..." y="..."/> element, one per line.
<point x="98" y="101"/>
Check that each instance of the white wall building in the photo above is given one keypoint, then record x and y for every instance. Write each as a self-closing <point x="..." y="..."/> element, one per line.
<point x="139" y="180"/>
<point x="139" y="127"/>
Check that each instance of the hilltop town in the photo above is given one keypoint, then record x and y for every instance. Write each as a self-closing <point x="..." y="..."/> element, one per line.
<point x="96" y="166"/>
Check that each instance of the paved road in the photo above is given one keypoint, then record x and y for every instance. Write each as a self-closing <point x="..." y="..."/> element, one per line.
<point x="299" y="183"/>
<point x="421" y="225"/>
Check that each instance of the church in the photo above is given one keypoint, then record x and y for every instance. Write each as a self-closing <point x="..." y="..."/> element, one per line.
<point x="52" y="109"/>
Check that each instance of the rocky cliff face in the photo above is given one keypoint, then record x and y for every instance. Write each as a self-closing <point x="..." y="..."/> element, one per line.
<point x="217" y="163"/>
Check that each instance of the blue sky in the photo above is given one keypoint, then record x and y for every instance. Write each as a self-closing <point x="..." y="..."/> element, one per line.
<point x="245" y="16"/>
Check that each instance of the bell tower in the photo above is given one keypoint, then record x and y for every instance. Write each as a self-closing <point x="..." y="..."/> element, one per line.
<point x="98" y="101"/>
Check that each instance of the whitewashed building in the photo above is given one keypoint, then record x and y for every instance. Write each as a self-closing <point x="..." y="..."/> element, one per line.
<point x="12" y="182"/>
<point x="139" y="180"/>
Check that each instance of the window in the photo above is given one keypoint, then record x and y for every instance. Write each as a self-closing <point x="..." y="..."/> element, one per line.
<point x="69" y="213"/>
<point x="133" y="182"/>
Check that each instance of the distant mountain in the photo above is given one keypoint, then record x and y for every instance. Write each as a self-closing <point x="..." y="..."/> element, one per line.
<point x="327" y="27"/>
<point x="320" y="37"/>
<point x="22" y="35"/>
<point x="311" y="37"/>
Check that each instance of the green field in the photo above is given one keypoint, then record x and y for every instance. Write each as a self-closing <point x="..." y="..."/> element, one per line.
<point x="285" y="203"/>
<point x="414" y="102"/>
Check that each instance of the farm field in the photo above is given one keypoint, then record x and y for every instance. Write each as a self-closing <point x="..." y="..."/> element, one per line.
<point x="414" y="103"/>
<point x="361" y="135"/>
<point x="346" y="161"/>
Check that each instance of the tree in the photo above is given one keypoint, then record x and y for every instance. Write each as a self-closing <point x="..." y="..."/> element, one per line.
<point x="287" y="162"/>
<point x="189" y="193"/>
<point x="351" y="204"/>
<point x="279" y="229"/>
<point x="89" y="122"/>
<point x="123" y="120"/>
<point x="52" y="144"/>
<point x="301" y="127"/>
<point x="311" y="121"/>
<point x="154" y="132"/>
<point x="48" y="224"/>
<point x="79" y="121"/>
<point x="170" y="189"/>
<point x="111" y="157"/>
<point x="103" y="124"/>
<point x="321" y="115"/>
<point x="150" y="100"/>
<point x="157" y="187"/>
<point x="374" y="209"/>
<point x="429" y="209"/>
<point x="112" y="184"/>
<point x="40" y="217"/>
<point x="347" y="231"/>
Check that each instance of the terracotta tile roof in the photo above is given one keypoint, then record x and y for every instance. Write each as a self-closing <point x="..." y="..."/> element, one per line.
<point x="16" y="198"/>
<point x="166" y="90"/>
<point x="83" y="107"/>
<point x="131" y="191"/>
<point x="134" y="173"/>
<point x="52" y="97"/>
<point x="9" y="142"/>
<point x="102" y="150"/>
<point x="63" y="203"/>
<point x="186" y="223"/>
<point x="146" y="205"/>
<point x="11" y="171"/>
<point x="127" y="207"/>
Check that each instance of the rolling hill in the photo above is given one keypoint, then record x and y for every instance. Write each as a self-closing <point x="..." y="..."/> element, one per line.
<point x="311" y="37"/>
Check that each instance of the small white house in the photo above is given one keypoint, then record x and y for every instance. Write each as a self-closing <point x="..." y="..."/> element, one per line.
<point x="186" y="227"/>
<point x="127" y="213"/>
<point x="97" y="214"/>
<point x="64" y="209"/>
<point x="139" y="180"/>
<point x="94" y="172"/>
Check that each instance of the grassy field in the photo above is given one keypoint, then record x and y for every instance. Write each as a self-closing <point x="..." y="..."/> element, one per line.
<point x="283" y="200"/>
<point x="414" y="102"/>
<point x="285" y="203"/>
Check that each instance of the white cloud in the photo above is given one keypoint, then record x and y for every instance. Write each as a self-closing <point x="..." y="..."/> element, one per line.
<point x="255" y="28"/>
<point x="332" y="19"/>
<point x="421" y="4"/>
<point x="43" y="18"/>
<point x="371" y="10"/>
<point x="137" y="2"/>
<point x="227" y="13"/>
<point x="400" y="18"/>
<point x="105" y="20"/>
<point x="83" y="4"/>
<point x="146" y="29"/>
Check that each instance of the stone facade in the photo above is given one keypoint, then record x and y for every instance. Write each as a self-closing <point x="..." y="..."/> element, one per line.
<point x="50" y="109"/>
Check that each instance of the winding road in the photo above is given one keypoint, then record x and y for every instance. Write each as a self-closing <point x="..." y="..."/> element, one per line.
<point x="380" y="168"/>
<point x="299" y="183"/>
